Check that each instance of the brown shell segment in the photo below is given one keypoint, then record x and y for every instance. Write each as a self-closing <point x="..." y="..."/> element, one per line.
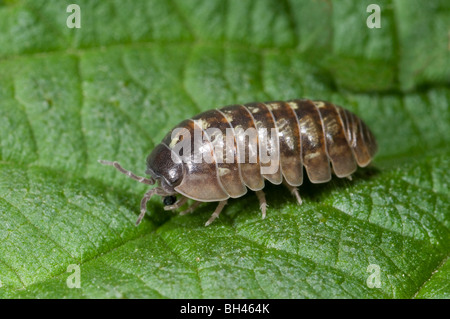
<point x="268" y="150"/>
<point x="289" y="142"/>
<point x="339" y="151"/>
<point x="314" y="153"/>
<point x="359" y="137"/>
<point x="217" y="129"/>
<point x="240" y="119"/>
<point x="198" y="172"/>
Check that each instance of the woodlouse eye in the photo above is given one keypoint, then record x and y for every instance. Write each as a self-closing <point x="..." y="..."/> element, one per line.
<point x="169" y="200"/>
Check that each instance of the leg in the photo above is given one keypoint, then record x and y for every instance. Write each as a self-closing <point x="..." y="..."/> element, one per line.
<point x="144" y="201"/>
<point x="154" y="191"/>
<point x="177" y="204"/>
<point x="191" y="208"/>
<point x="294" y="191"/>
<point x="148" y="181"/>
<point x="262" y="203"/>
<point x="216" y="213"/>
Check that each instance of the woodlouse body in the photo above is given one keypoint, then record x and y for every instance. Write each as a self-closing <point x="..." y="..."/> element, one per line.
<point x="310" y="134"/>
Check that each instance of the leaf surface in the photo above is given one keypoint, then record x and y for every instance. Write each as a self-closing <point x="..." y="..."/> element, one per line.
<point x="112" y="90"/>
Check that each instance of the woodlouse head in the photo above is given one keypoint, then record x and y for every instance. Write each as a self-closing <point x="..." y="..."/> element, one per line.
<point x="163" y="169"/>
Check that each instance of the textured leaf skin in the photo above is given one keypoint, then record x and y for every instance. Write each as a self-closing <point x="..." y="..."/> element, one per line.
<point x="112" y="89"/>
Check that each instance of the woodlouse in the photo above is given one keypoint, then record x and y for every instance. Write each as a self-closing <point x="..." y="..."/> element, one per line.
<point x="308" y="134"/>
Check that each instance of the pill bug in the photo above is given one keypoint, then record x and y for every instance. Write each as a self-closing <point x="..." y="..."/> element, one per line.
<point x="308" y="134"/>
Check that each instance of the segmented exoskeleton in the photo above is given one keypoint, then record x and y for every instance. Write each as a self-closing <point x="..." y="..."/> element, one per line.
<point x="292" y="134"/>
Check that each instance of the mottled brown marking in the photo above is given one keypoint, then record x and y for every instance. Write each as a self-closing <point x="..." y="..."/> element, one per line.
<point x="339" y="151"/>
<point x="289" y="142"/>
<point x="197" y="175"/>
<point x="264" y="119"/>
<point x="315" y="158"/>
<point x="354" y="132"/>
<point x="187" y="124"/>
<point x="240" y="117"/>
<point x="229" y="173"/>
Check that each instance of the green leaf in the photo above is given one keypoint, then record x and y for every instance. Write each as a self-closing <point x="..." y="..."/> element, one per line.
<point x="113" y="88"/>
